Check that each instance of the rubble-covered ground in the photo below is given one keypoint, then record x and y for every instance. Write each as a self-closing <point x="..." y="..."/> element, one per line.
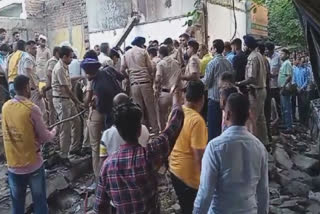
<point x="294" y="172"/>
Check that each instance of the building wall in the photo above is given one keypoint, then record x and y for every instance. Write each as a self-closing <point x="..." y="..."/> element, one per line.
<point x="221" y="23"/>
<point x="34" y="8"/>
<point x="65" y="21"/>
<point x="27" y="27"/>
<point x="151" y="31"/>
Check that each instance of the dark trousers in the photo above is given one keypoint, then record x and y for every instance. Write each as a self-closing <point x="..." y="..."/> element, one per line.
<point x="214" y="119"/>
<point x="185" y="194"/>
<point x="303" y="107"/>
<point x="204" y="111"/>
<point x="294" y="107"/>
<point x="275" y="93"/>
<point x="267" y="113"/>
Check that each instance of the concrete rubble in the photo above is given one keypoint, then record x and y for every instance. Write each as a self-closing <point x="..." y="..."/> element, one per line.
<point x="294" y="170"/>
<point x="294" y="173"/>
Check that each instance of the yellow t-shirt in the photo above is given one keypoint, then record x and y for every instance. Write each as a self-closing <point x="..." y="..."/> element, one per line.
<point x="204" y="62"/>
<point x="194" y="135"/>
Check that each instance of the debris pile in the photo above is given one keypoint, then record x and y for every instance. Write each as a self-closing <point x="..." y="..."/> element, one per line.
<point x="294" y="171"/>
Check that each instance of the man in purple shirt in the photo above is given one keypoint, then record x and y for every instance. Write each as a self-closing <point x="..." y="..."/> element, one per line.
<point x="24" y="132"/>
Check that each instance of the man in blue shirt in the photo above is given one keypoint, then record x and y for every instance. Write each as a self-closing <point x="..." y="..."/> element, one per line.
<point x="216" y="67"/>
<point x="228" y="53"/>
<point x="234" y="176"/>
<point x="301" y="77"/>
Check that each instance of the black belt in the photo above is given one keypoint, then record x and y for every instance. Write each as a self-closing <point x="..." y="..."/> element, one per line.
<point x="165" y="90"/>
<point x="139" y="83"/>
<point x="61" y="97"/>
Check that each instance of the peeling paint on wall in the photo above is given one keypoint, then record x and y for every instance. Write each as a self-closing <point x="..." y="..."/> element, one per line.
<point x="64" y="35"/>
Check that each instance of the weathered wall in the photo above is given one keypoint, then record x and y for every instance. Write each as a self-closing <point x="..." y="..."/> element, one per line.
<point x="34" y="8"/>
<point x="159" y="31"/>
<point x="106" y="15"/>
<point x="221" y="23"/>
<point x="159" y="19"/>
<point x="154" y="10"/>
<point x="27" y="27"/>
<point x="65" y="20"/>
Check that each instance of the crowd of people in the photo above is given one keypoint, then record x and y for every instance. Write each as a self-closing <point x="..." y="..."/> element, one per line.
<point x="205" y="115"/>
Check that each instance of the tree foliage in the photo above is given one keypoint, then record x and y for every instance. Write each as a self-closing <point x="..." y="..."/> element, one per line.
<point x="284" y="25"/>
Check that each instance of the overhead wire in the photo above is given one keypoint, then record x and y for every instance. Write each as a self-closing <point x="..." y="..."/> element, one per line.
<point x="235" y="21"/>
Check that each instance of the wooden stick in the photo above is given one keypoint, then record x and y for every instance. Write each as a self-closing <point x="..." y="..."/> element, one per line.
<point x="67" y="119"/>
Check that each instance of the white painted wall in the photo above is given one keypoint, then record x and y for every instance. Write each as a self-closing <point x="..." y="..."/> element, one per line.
<point x="5" y="3"/>
<point x="221" y="22"/>
<point x="151" y="31"/>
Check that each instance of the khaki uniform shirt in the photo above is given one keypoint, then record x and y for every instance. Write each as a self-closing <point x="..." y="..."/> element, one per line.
<point x="256" y="68"/>
<point x="50" y="64"/>
<point x="174" y="54"/>
<point x="168" y="70"/>
<point x="193" y="67"/>
<point x="43" y="55"/>
<point x="27" y="66"/>
<point x="138" y="64"/>
<point x="60" y="77"/>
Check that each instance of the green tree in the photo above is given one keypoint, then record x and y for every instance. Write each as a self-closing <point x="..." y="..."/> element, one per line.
<point x="284" y="25"/>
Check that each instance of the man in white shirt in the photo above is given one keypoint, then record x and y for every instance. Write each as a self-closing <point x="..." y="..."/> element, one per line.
<point x="111" y="140"/>
<point x="103" y="57"/>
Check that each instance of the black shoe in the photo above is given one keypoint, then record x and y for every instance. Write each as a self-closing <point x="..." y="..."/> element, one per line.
<point x="86" y="151"/>
<point x="78" y="152"/>
<point x="287" y="131"/>
<point x="66" y="162"/>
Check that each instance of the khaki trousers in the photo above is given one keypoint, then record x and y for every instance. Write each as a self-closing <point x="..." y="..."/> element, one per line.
<point x="52" y="111"/>
<point x="36" y="98"/>
<point x="95" y="127"/>
<point x="142" y="94"/>
<point x="257" y="115"/>
<point x="165" y="103"/>
<point x="70" y="132"/>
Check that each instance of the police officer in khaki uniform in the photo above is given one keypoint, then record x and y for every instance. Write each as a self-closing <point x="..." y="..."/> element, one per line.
<point x="192" y="71"/>
<point x="168" y="73"/>
<point x="255" y="79"/>
<point x="47" y="90"/>
<point x="65" y="102"/>
<point x="139" y="67"/>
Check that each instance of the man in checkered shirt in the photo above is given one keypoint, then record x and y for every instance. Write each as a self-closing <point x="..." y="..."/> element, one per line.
<point x="128" y="178"/>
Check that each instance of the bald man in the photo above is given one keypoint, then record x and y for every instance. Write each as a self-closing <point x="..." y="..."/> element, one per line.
<point x="111" y="140"/>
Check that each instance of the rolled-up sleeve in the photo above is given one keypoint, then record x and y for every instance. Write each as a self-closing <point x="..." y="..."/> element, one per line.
<point x="158" y="150"/>
<point x="208" y="180"/>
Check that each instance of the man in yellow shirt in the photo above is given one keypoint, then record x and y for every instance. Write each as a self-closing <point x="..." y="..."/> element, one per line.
<point x="185" y="159"/>
<point x="205" y="58"/>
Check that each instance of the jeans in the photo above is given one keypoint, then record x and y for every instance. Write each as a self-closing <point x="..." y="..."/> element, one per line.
<point x="214" y="119"/>
<point x="185" y="194"/>
<point x="37" y="183"/>
<point x="286" y="110"/>
<point x="294" y="106"/>
<point x="303" y="107"/>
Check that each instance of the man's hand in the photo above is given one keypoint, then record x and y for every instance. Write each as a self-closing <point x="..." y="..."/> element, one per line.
<point x="54" y="131"/>
<point x="238" y="84"/>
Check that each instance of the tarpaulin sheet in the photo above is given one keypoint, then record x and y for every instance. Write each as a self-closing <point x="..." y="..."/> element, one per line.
<point x="309" y="13"/>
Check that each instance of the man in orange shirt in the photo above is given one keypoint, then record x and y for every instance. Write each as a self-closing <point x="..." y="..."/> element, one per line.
<point x="185" y="159"/>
